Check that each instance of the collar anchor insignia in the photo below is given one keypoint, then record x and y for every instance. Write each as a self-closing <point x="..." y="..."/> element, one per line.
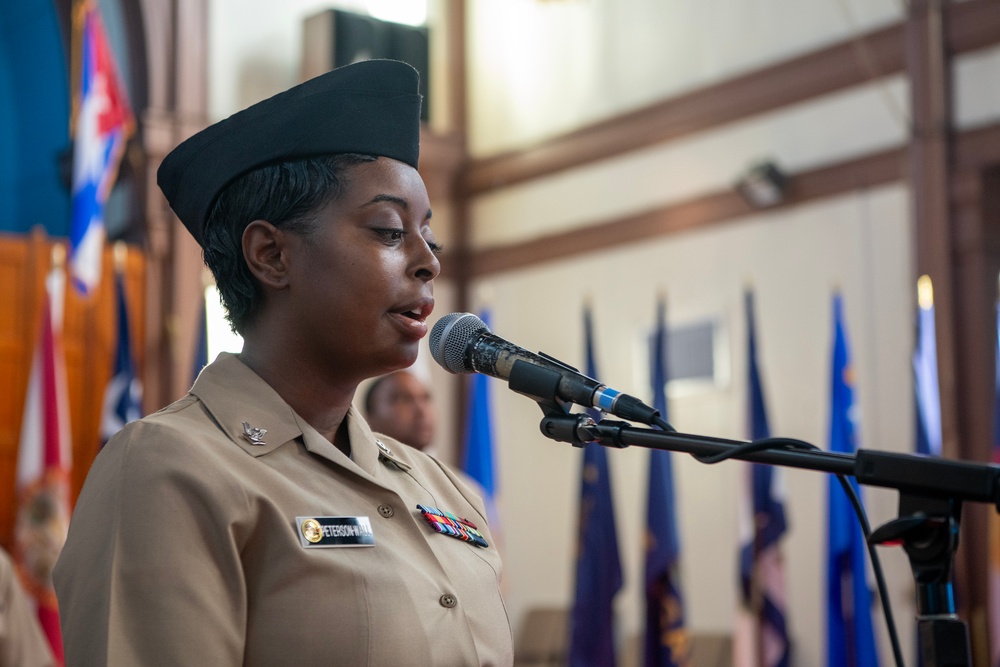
<point x="253" y="434"/>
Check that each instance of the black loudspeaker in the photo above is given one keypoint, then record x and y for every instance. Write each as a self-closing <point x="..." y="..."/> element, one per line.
<point x="334" y="38"/>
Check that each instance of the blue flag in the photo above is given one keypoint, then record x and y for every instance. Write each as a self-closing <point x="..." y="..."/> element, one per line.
<point x="762" y="572"/>
<point x="598" y="567"/>
<point x="850" y="636"/>
<point x="478" y="452"/>
<point x="666" y="638"/>
<point x="123" y="395"/>
<point x="925" y="374"/>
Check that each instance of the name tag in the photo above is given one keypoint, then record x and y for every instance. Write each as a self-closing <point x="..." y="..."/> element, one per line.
<point x="334" y="531"/>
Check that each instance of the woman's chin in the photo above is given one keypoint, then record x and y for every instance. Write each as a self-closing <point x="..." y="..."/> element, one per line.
<point x="404" y="359"/>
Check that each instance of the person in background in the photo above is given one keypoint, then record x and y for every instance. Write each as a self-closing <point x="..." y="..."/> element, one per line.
<point x="400" y="405"/>
<point x="258" y="520"/>
<point x="22" y="642"/>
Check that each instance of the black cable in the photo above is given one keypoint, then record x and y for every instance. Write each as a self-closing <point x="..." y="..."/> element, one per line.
<point x="663" y="424"/>
<point x="755" y="446"/>
<point x="883" y="590"/>
<point x="859" y="512"/>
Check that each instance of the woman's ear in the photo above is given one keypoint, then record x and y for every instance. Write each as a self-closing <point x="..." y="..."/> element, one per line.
<point x="264" y="251"/>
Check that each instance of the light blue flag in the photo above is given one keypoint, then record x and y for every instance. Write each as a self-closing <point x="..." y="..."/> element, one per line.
<point x="598" y="566"/>
<point x="925" y="374"/>
<point x="850" y="635"/>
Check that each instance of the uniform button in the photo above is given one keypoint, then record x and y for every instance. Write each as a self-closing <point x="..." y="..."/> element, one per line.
<point x="386" y="511"/>
<point x="448" y="600"/>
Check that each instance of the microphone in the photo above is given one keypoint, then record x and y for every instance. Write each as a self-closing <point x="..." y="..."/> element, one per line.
<point x="462" y="343"/>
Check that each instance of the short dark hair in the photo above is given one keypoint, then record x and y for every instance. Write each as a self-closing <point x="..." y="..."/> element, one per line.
<point x="286" y="194"/>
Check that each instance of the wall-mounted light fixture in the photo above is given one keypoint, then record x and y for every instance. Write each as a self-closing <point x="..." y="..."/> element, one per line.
<point x="763" y="185"/>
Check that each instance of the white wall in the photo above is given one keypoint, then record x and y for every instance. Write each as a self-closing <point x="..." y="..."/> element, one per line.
<point x="542" y="68"/>
<point x="255" y="48"/>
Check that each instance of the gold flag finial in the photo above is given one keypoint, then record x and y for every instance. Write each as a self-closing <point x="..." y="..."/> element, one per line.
<point x="58" y="255"/>
<point x="925" y="292"/>
<point x="120" y="250"/>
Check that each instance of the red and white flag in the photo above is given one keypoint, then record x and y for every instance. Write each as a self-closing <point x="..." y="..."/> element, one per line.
<point x="43" y="465"/>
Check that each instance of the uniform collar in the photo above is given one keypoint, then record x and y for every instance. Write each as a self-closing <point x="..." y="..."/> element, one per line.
<point x="234" y="394"/>
<point x="374" y="449"/>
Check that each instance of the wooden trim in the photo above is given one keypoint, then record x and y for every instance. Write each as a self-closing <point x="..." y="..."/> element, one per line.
<point x="930" y="164"/>
<point x="972" y="25"/>
<point x="457" y="105"/>
<point x="441" y="156"/>
<point x="981" y="146"/>
<point x="974" y="262"/>
<point x="705" y="211"/>
<point x="88" y="340"/>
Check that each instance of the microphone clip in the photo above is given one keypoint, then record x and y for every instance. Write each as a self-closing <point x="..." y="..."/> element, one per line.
<point x="579" y="430"/>
<point x="538" y="383"/>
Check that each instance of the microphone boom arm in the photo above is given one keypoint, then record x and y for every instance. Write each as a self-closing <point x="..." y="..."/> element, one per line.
<point x="931" y="492"/>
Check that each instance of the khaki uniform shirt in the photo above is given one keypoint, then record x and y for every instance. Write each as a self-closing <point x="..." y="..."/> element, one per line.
<point x="184" y="547"/>
<point x="22" y="642"/>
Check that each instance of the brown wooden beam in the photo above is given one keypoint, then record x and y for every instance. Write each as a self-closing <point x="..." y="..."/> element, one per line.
<point x="930" y="166"/>
<point x="976" y="262"/>
<point x="957" y="271"/>
<point x="461" y="221"/>
<point x="974" y="150"/>
<point x="708" y="210"/>
<point x="972" y="25"/>
<point x="978" y="147"/>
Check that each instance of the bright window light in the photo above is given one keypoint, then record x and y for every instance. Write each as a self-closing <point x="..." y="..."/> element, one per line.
<point x="220" y="337"/>
<point x="410" y="12"/>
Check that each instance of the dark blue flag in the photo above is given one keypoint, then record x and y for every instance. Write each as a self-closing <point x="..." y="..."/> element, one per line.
<point x="762" y="570"/>
<point x="123" y="395"/>
<point x="478" y="462"/>
<point x="850" y="636"/>
<point x="666" y="637"/>
<point x="598" y="567"/>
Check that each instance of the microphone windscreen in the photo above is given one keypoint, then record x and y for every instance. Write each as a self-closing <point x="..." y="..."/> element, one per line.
<point x="450" y="337"/>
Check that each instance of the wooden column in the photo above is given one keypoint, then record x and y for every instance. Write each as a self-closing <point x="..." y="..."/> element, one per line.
<point x="976" y="263"/>
<point x="458" y="264"/>
<point x="930" y="171"/>
<point x="177" y="40"/>
<point x="950" y="248"/>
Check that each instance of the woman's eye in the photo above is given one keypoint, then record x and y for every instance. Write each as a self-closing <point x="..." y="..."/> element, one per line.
<point x="391" y="234"/>
<point x="436" y="248"/>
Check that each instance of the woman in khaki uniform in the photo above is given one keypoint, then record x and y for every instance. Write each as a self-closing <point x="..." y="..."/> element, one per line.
<point x="258" y="521"/>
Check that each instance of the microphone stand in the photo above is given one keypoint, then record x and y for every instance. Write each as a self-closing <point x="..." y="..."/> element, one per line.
<point x="931" y="493"/>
